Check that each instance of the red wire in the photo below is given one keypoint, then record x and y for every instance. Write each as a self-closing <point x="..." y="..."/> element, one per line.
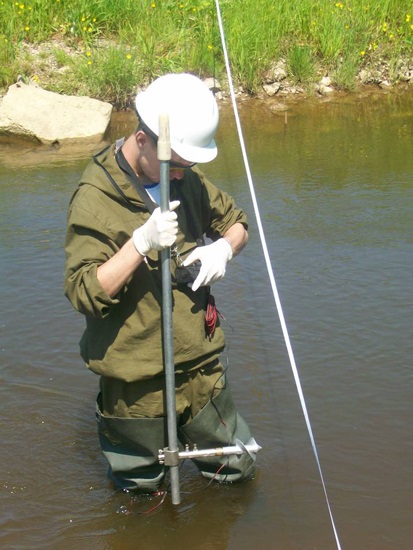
<point x="163" y="493"/>
<point x="211" y="316"/>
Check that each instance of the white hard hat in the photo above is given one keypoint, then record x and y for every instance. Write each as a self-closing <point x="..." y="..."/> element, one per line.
<point x="193" y="114"/>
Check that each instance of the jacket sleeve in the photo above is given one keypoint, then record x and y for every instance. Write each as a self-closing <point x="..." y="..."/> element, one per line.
<point x="220" y="211"/>
<point x="87" y="247"/>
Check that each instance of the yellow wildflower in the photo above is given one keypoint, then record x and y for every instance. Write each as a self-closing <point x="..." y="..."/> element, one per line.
<point x="362" y="53"/>
<point x="128" y="56"/>
<point x="408" y="17"/>
<point x="153" y="5"/>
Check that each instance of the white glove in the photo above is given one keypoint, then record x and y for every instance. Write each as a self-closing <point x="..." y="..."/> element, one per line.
<point x="158" y="232"/>
<point x="214" y="258"/>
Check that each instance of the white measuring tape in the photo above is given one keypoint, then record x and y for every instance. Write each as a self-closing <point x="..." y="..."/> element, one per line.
<point x="270" y="271"/>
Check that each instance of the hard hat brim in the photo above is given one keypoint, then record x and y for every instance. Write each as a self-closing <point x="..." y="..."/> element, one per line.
<point x="195" y="154"/>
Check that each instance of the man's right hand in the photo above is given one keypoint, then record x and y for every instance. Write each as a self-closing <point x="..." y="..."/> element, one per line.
<point x="158" y="232"/>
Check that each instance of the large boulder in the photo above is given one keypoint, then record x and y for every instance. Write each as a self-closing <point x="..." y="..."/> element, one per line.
<point x="28" y="111"/>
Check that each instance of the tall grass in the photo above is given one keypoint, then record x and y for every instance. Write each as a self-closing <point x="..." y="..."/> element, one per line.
<point x="120" y="43"/>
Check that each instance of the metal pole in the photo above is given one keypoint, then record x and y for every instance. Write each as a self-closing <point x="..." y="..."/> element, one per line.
<point x="164" y="156"/>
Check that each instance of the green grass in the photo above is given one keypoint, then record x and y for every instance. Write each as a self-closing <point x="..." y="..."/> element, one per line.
<point x="300" y="62"/>
<point x="119" y="44"/>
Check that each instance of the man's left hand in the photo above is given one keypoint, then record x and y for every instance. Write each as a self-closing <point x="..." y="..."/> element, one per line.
<point x="214" y="258"/>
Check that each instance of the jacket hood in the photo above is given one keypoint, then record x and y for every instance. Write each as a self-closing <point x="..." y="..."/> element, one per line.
<point x="104" y="173"/>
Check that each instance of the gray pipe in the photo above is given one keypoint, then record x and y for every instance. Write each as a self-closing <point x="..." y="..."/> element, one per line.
<point x="164" y="156"/>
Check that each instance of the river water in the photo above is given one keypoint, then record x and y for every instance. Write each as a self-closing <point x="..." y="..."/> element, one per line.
<point x="334" y="186"/>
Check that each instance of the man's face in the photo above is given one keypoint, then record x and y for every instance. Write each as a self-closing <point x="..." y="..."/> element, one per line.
<point x="150" y="165"/>
<point x="177" y="165"/>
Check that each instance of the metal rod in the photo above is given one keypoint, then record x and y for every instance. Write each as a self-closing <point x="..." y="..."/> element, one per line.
<point x="164" y="156"/>
<point x="239" y="448"/>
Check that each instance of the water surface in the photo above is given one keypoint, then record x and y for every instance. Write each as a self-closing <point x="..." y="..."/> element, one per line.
<point x="334" y="186"/>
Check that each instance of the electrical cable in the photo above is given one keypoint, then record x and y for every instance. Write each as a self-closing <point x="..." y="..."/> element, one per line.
<point x="206" y="485"/>
<point x="270" y="271"/>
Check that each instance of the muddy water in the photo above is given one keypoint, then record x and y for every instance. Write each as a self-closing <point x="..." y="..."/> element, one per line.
<point x="334" y="184"/>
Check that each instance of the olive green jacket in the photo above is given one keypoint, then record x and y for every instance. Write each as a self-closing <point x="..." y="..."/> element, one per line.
<point x="123" y="336"/>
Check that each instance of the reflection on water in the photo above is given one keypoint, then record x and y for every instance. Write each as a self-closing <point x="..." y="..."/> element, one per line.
<point x="334" y="185"/>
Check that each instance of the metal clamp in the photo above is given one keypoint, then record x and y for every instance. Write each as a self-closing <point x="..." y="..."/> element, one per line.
<point x="167" y="457"/>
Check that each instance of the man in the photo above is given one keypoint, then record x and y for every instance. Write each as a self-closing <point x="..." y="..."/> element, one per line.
<point x="113" y="276"/>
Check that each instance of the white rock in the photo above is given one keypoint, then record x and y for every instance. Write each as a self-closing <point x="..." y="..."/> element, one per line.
<point x="363" y="76"/>
<point x="29" y="111"/>
<point x="272" y="89"/>
<point x="213" y="84"/>
<point x="385" y="84"/>
<point x="325" y="81"/>
<point x="276" y="73"/>
<point x="324" y="90"/>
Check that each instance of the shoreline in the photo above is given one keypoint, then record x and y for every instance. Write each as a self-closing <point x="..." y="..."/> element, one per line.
<point x="18" y="152"/>
<point x="276" y="83"/>
<point x="289" y="96"/>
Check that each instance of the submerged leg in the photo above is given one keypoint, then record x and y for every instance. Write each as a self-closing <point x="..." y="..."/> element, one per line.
<point x="131" y="446"/>
<point x="218" y="424"/>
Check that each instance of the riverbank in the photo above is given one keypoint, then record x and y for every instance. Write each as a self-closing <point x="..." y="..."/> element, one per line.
<point x="49" y="69"/>
<point x="334" y="188"/>
<point x="104" y="50"/>
<point x="24" y="111"/>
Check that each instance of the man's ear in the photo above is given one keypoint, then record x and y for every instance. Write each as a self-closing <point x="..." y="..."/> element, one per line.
<point x="141" y="139"/>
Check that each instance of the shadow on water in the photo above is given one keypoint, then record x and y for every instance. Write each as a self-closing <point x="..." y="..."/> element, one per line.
<point x="334" y="186"/>
<point x="20" y="154"/>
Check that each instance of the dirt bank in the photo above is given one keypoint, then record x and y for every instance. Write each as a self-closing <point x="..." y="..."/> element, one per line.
<point x="41" y="66"/>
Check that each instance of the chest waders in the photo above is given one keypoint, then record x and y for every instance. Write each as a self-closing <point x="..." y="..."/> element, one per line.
<point x="131" y="445"/>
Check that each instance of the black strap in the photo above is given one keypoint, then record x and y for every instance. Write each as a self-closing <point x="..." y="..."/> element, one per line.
<point x="108" y="175"/>
<point x="191" y="224"/>
<point x="133" y="178"/>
